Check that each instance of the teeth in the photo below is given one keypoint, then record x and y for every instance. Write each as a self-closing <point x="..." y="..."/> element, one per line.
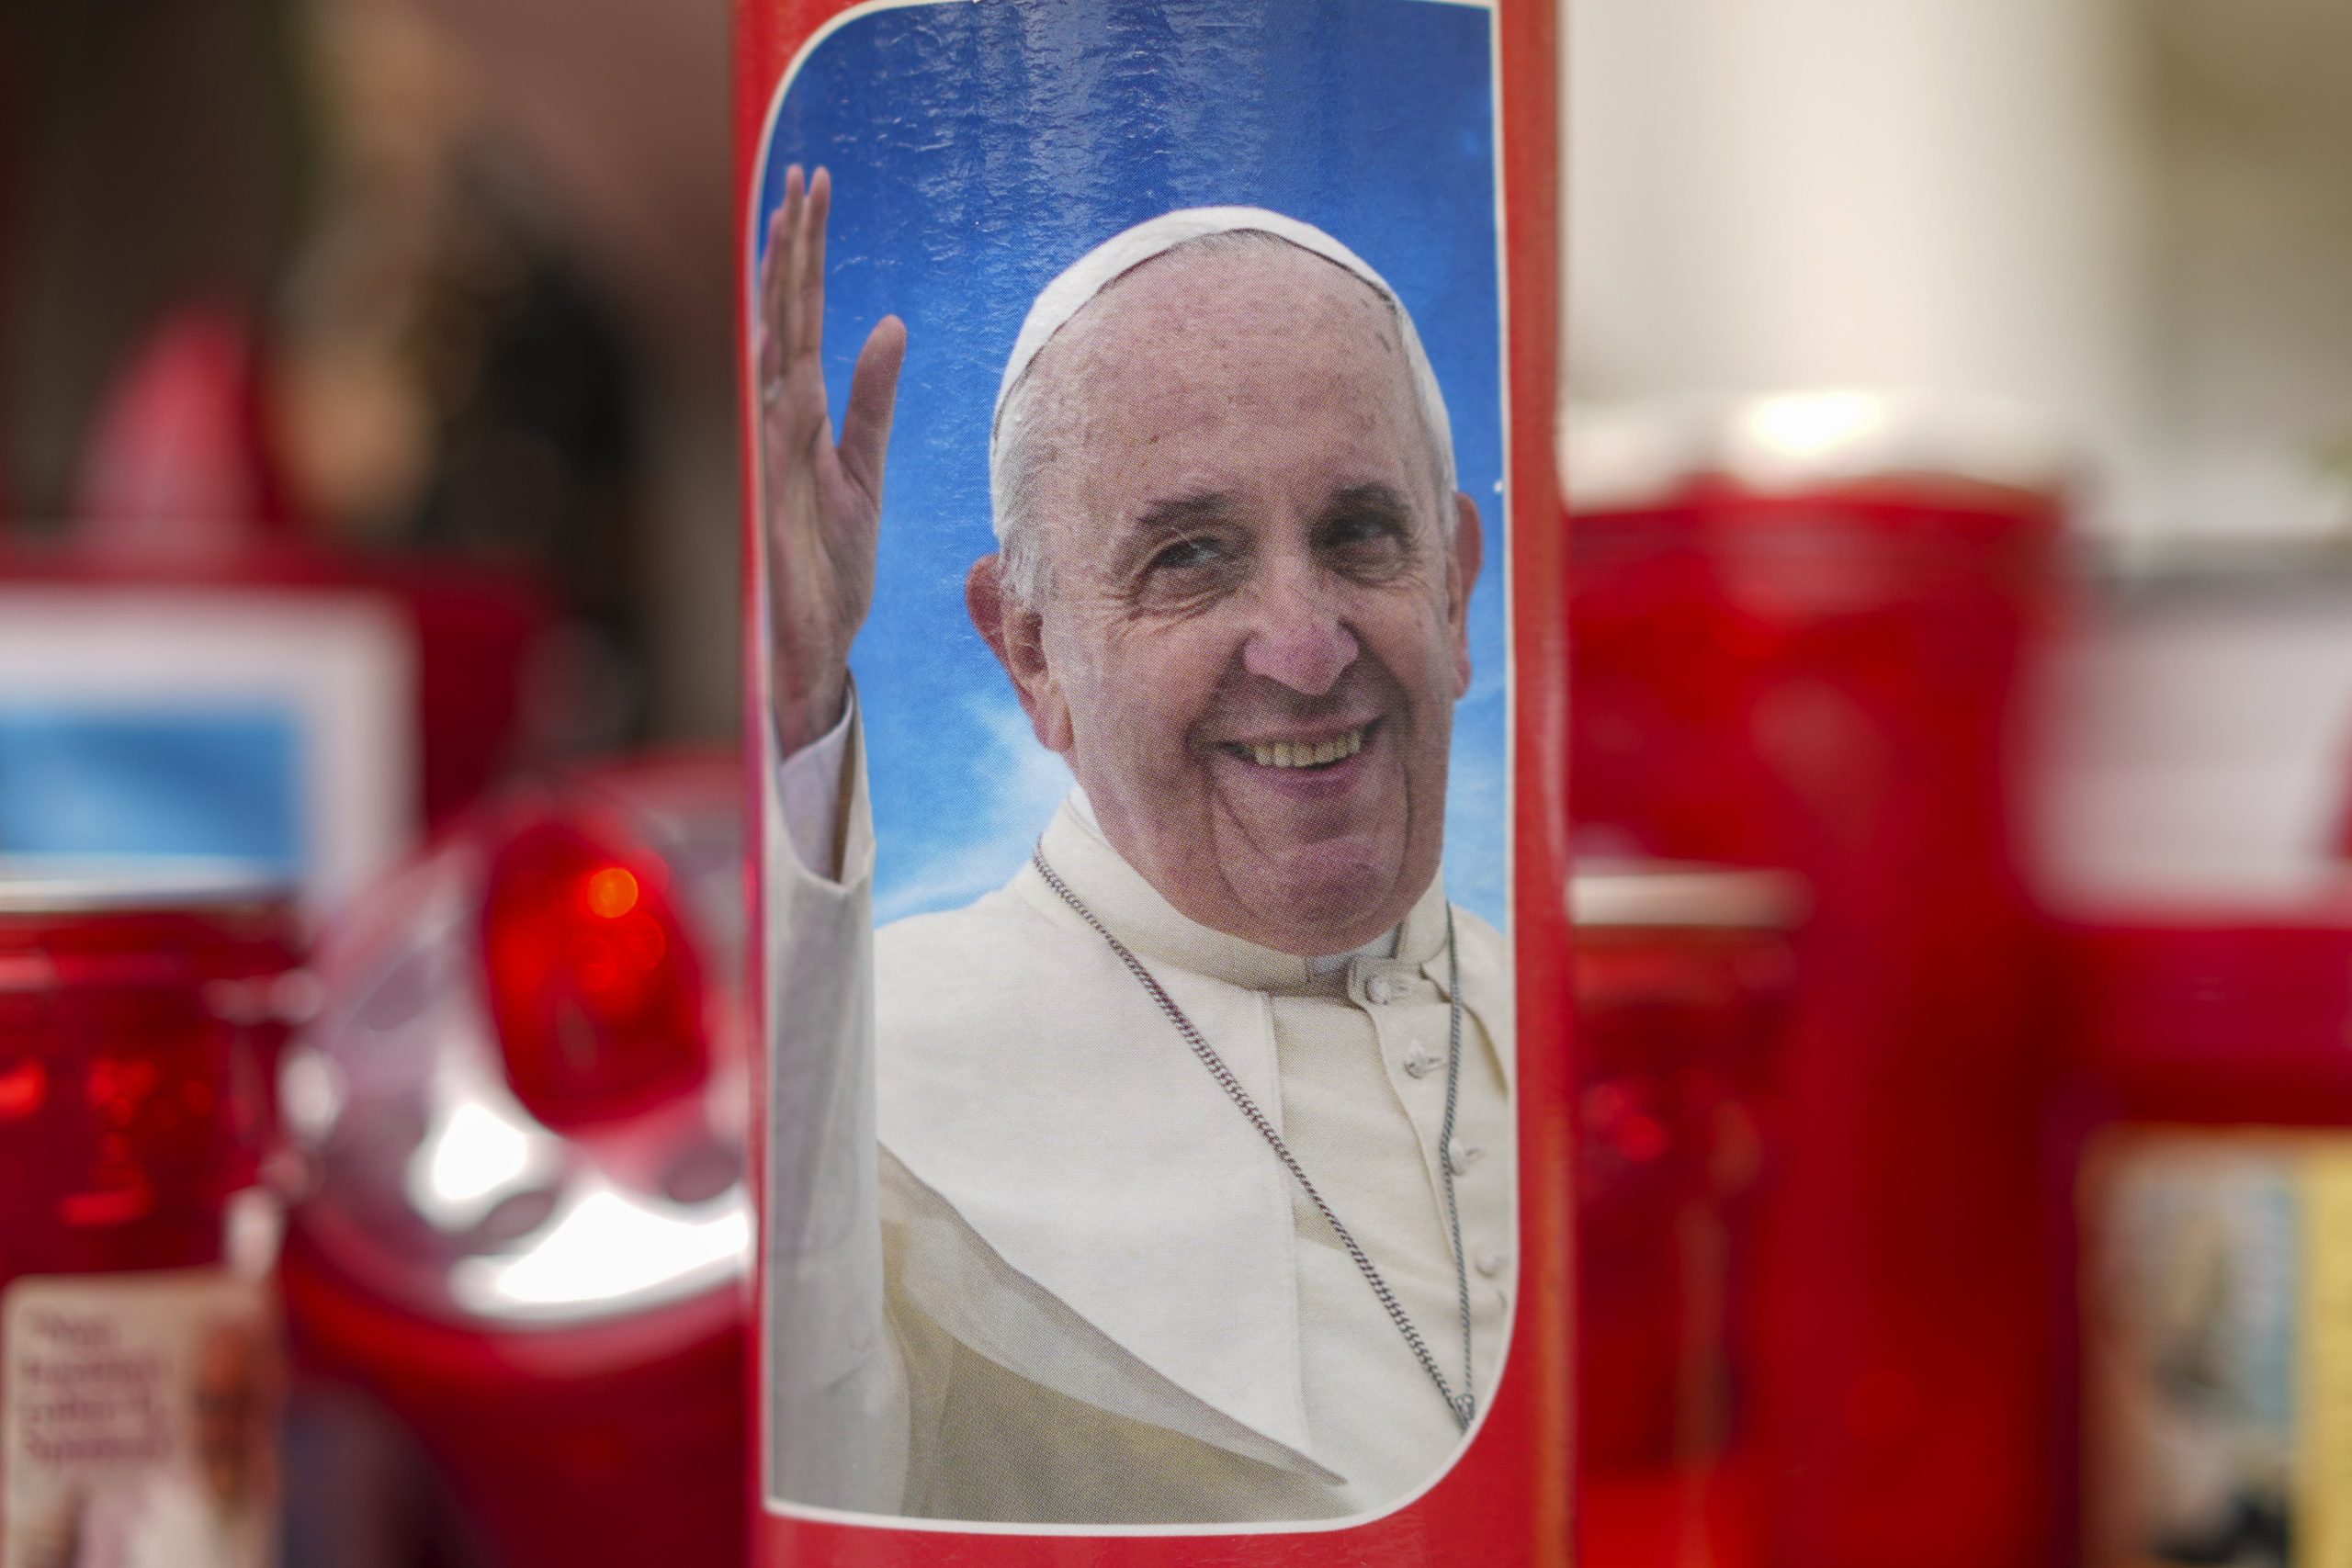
<point x="1306" y="755"/>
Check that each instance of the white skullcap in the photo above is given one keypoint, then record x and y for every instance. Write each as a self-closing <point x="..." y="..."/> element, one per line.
<point x="1069" y="294"/>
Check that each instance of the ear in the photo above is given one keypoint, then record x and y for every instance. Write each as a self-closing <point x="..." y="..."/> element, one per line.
<point x="1015" y="634"/>
<point x="1469" y="553"/>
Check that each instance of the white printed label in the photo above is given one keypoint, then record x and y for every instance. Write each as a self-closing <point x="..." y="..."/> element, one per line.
<point x="138" y="1422"/>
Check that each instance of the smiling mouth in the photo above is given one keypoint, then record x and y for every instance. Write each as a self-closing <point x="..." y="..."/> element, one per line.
<point x="1307" y="754"/>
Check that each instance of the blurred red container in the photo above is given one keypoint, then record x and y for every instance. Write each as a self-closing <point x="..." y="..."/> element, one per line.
<point x="2213" y="1015"/>
<point x="138" y="1034"/>
<point x="140" y="1021"/>
<point x="1681" y="974"/>
<point x="1801" y="629"/>
<point x="2212" y="1112"/>
<point x="528" y="1229"/>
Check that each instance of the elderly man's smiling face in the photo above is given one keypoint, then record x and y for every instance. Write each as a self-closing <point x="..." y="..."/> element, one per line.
<point x="1250" y="632"/>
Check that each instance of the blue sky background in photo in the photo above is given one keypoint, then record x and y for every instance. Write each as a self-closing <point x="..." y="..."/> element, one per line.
<point x="977" y="147"/>
<point x="108" y="778"/>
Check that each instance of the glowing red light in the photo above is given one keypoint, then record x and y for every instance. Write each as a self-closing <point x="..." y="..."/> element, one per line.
<point x="612" y="892"/>
<point x="118" y="1088"/>
<point x="1642" y="1138"/>
<point x="592" y="984"/>
<point x="23" y="1088"/>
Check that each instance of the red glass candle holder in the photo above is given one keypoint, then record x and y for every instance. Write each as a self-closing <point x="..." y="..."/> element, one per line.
<point x="1682" y="974"/>
<point x="142" y="1008"/>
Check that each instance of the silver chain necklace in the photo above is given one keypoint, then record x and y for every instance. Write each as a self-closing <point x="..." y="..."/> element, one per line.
<point x="1464" y="1404"/>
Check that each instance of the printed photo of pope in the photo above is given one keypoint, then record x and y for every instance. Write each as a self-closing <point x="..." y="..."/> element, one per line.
<point x="1172" y="1181"/>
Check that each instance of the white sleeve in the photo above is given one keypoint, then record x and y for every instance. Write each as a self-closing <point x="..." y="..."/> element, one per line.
<point x="810" y="785"/>
<point x="837" y="1405"/>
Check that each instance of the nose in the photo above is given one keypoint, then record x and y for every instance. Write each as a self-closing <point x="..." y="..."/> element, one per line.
<point x="1298" y="636"/>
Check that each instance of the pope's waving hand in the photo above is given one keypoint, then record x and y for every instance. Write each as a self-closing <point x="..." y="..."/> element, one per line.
<point x="821" y="497"/>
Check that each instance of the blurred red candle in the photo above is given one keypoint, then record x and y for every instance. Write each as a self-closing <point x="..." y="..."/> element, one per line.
<point x="1682" y="977"/>
<point x="140" y="1007"/>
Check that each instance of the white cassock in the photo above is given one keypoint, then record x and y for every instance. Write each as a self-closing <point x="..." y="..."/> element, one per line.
<point x="1027" y="1261"/>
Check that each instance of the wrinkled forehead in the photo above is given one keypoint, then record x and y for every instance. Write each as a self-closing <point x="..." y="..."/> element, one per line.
<point x="1227" y="290"/>
<point x="1219" y="321"/>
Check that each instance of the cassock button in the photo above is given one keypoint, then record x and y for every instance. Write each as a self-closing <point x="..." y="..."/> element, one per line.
<point x="1385" y="989"/>
<point x="1462" y="1156"/>
<point x="1421" y="1063"/>
<point x="1491" y="1263"/>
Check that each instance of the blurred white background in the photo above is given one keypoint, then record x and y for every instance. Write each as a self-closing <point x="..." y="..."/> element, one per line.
<point x="2132" y="216"/>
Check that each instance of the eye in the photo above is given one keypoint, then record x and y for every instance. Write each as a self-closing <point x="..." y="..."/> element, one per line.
<point x="1185" y="554"/>
<point x="1366" y="534"/>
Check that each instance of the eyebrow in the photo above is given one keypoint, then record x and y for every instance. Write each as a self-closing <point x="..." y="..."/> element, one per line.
<point x="1371" y="497"/>
<point x="1177" y="514"/>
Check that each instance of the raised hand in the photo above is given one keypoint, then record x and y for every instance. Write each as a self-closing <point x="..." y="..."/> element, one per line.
<point x="820" y="499"/>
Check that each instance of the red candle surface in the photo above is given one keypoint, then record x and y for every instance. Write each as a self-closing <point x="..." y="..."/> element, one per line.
<point x="140" y="1007"/>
